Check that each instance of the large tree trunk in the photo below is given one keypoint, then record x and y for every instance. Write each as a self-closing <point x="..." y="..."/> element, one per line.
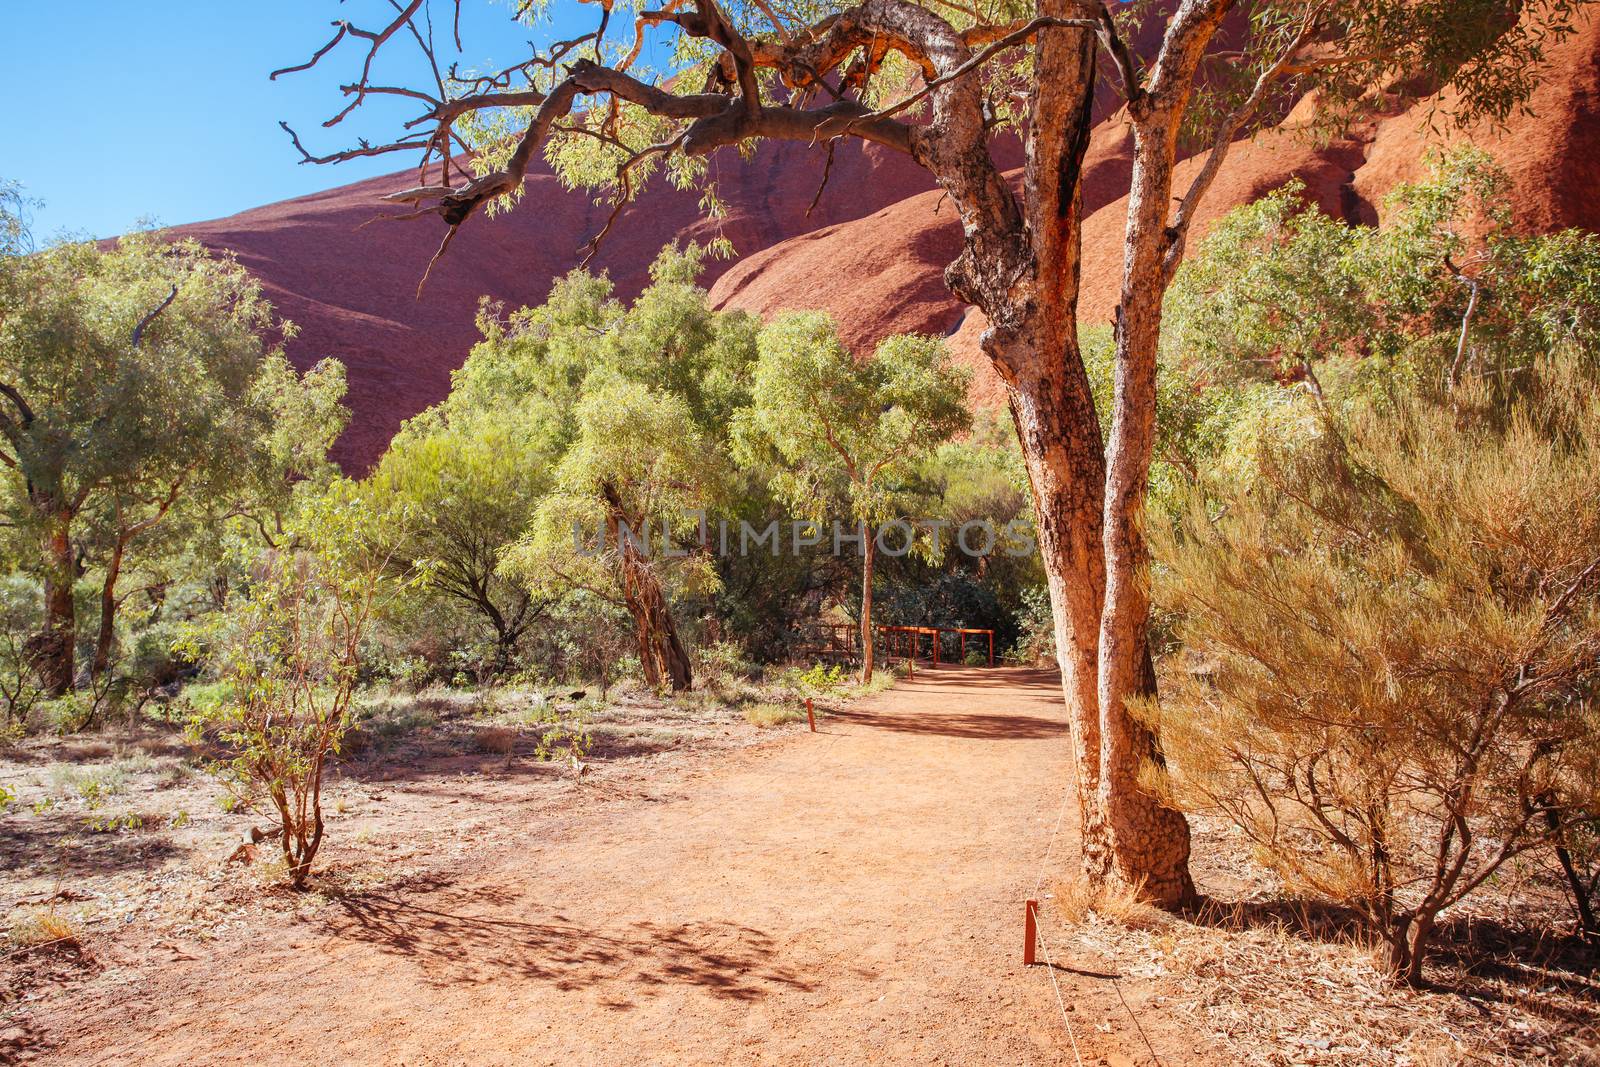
<point x="1150" y="841"/>
<point x="661" y="654"/>
<point x="1087" y="506"/>
<point x="52" y="649"/>
<point x="1060" y="436"/>
<point x="868" y="556"/>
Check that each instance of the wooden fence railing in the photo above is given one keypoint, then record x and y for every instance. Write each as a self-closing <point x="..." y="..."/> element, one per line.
<point x="839" y="642"/>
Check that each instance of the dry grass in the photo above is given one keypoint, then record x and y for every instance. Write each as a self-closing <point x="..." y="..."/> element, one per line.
<point x="42" y="927"/>
<point x="1076" y="901"/>
<point x="766" y="715"/>
<point x="1273" y="981"/>
<point x="499" y="740"/>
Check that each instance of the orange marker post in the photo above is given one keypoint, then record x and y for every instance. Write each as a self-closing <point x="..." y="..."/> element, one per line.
<point x="810" y="717"/>
<point x="1030" y="932"/>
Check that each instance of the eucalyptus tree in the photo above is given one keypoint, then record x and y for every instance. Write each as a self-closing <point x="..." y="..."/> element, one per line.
<point x="628" y="407"/>
<point x="935" y="80"/>
<point x="133" y="378"/>
<point x="624" y="515"/>
<point x="832" y="419"/>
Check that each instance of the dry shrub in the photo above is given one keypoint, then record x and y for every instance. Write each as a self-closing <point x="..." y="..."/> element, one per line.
<point x="43" y="927"/>
<point x="768" y="715"/>
<point x="1395" y="648"/>
<point x="500" y="740"/>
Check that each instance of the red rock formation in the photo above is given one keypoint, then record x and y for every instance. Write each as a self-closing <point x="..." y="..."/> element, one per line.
<point x="350" y="283"/>
<point x="880" y="274"/>
<point x="1551" y="154"/>
<point x="872" y="252"/>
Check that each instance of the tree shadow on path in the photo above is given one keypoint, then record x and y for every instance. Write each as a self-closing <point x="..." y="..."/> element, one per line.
<point x="997" y="727"/>
<point x="469" y="940"/>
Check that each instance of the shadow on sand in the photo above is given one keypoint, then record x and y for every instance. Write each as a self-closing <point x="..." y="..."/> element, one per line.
<point x="479" y="936"/>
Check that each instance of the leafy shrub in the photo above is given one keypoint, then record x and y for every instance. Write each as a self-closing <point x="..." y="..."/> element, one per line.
<point x="289" y="648"/>
<point x="1382" y="447"/>
<point x="1396" y="650"/>
<point x="1036" y="641"/>
<point x="819" y="679"/>
<point x="564" y="730"/>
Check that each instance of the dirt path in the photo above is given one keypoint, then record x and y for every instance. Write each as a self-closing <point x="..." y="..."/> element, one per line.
<point x="848" y="897"/>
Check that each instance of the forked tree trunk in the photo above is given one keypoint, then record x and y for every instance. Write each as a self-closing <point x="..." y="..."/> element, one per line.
<point x="868" y="557"/>
<point x="1087" y="507"/>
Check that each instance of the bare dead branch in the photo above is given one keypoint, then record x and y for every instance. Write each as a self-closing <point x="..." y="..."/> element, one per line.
<point x="827" y="169"/>
<point x="405" y="144"/>
<point x="444" y="246"/>
<point x="315" y="56"/>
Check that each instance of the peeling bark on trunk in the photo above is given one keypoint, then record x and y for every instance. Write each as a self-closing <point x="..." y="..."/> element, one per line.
<point x="1060" y="433"/>
<point x="1150" y="840"/>
<point x="1088" y="499"/>
<point x="661" y="654"/>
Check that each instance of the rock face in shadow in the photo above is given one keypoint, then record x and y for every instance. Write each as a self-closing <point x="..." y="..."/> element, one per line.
<point x="881" y="274"/>
<point x="871" y="251"/>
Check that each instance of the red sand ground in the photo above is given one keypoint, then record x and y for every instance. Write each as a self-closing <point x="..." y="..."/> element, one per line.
<point x="853" y="896"/>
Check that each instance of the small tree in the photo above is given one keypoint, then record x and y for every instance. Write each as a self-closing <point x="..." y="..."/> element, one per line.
<point x="864" y="424"/>
<point x="624" y="516"/>
<point x="468" y="482"/>
<point x="288" y="646"/>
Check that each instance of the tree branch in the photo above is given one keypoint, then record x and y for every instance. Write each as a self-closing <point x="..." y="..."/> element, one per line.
<point x="138" y="331"/>
<point x="1187" y="207"/>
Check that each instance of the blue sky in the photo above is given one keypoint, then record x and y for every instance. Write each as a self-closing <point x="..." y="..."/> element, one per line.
<point x="125" y="109"/>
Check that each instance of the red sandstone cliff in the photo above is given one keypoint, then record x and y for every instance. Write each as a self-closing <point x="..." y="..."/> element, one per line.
<point x="872" y="252"/>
